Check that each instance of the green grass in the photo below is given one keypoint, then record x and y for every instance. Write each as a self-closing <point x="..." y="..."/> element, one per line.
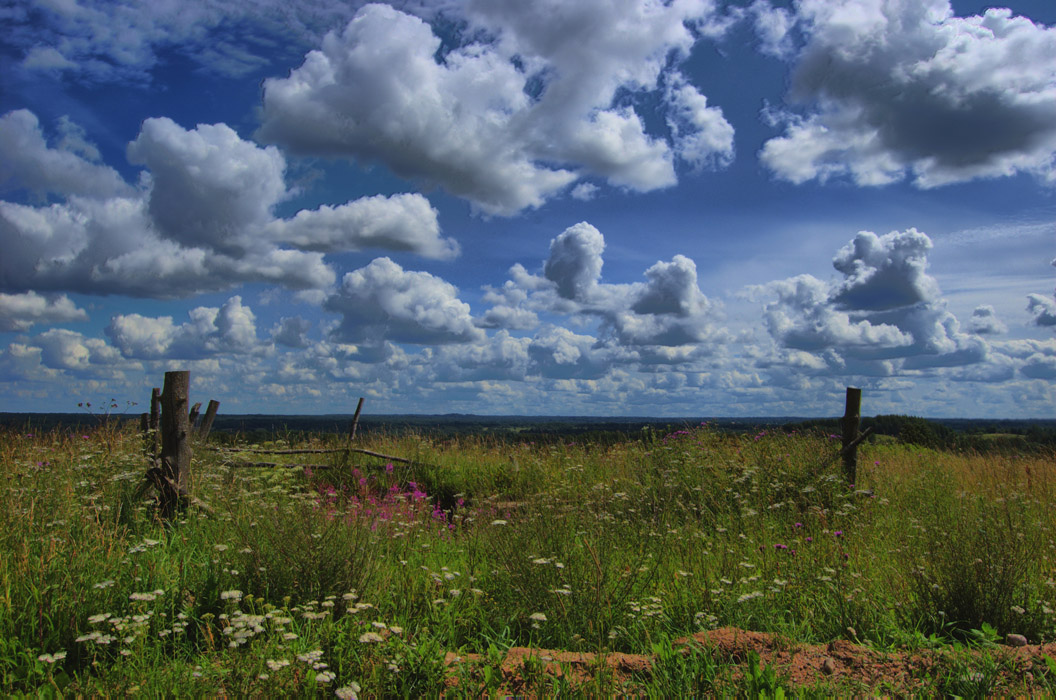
<point x="305" y="583"/>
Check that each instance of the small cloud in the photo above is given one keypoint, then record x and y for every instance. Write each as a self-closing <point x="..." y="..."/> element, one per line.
<point x="585" y="191"/>
<point x="985" y="321"/>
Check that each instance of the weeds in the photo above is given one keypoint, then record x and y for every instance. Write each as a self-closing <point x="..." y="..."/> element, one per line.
<point x="361" y="578"/>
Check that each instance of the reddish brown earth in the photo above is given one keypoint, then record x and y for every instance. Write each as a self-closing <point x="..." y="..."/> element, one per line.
<point x="839" y="664"/>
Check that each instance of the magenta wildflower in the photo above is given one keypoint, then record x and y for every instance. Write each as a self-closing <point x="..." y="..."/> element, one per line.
<point x="388" y="468"/>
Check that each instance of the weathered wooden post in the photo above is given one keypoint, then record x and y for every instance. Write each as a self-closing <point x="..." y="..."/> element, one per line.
<point x="355" y="421"/>
<point x="192" y="417"/>
<point x="851" y="420"/>
<point x="155" y="407"/>
<point x="207" y="421"/>
<point x="175" y="438"/>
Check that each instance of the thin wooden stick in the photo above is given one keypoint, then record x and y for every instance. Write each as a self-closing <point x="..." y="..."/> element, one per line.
<point x="355" y="421"/>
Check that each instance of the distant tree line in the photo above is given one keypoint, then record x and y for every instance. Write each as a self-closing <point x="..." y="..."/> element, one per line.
<point x="1003" y="436"/>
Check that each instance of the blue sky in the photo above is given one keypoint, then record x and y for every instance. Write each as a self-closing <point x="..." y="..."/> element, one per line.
<point x="607" y="207"/>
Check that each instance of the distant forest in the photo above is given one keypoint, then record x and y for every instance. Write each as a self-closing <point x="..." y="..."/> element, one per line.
<point x="979" y="435"/>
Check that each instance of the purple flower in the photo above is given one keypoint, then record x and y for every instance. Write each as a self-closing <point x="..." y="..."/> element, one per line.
<point x="838" y="533"/>
<point x="780" y="546"/>
<point x="388" y="468"/>
<point x="810" y="539"/>
<point x="798" y="525"/>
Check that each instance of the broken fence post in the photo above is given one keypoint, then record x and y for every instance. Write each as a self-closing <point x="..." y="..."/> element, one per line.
<point x="155" y="407"/>
<point x="192" y="417"/>
<point x="851" y="420"/>
<point x="175" y="440"/>
<point x="355" y="421"/>
<point x="207" y="421"/>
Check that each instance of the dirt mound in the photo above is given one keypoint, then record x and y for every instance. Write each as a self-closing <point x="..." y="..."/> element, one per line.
<point x="840" y="663"/>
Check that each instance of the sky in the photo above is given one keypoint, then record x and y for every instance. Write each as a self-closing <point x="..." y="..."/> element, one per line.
<point x="600" y="207"/>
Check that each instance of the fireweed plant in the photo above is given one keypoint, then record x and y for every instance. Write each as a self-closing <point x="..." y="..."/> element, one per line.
<point x="358" y="579"/>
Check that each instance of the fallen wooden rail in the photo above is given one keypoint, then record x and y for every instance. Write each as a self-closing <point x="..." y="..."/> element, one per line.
<point x="357" y="450"/>
<point x="271" y="465"/>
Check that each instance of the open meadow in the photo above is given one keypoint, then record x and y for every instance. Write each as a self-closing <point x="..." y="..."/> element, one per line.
<point x="484" y="567"/>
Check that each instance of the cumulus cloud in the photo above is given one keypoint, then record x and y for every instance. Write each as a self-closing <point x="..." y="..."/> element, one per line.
<point x="508" y="308"/>
<point x="27" y="162"/>
<point x="18" y="312"/>
<point x="574" y="265"/>
<point x="558" y="353"/>
<point x="202" y="220"/>
<point x="1039" y="366"/>
<point x="902" y="88"/>
<point x="985" y="321"/>
<point x="500" y="357"/>
<point x="402" y="222"/>
<point x="886" y="308"/>
<point x="774" y="26"/>
<point x="209" y="187"/>
<point x="23" y="362"/>
<point x="531" y="98"/>
<point x="884" y="273"/>
<point x="382" y="301"/>
<point x="68" y="350"/>
<point x="665" y="311"/>
<point x="228" y="330"/>
<point x="1043" y="309"/>
<point x="292" y="332"/>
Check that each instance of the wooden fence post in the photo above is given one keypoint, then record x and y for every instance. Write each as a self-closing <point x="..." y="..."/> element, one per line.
<point x="192" y="417"/>
<point x="851" y="420"/>
<point x="175" y="438"/>
<point x="207" y="421"/>
<point x="155" y="407"/>
<point x="355" y="421"/>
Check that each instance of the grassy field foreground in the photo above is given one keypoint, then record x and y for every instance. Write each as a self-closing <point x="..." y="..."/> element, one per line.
<point x="360" y="579"/>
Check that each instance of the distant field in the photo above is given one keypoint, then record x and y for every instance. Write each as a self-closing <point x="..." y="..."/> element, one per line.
<point x="484" y="565"/>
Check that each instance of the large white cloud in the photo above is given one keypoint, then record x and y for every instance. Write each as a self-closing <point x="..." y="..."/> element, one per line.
<point x="68" y="350"/>
<point x="203" y="219"/>
<point x="511" y="115"/>
<point x="575" y="261"/>
<point x="886" y="308"/>
<point x="897" y="88"/>
<point x="402" y="222"/>
<point x="26" y="161"/>
<point x="227" y="330"/>
<point x="382" y="301"/>
<point x="667" y="310"/>
<point x="209" y="187"/>
<point x="18" y="312"/>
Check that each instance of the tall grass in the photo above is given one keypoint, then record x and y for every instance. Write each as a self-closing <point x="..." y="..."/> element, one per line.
<point x="365" y="576"/>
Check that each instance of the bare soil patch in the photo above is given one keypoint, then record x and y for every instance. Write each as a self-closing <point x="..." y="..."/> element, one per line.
<point x="839" y="664"/>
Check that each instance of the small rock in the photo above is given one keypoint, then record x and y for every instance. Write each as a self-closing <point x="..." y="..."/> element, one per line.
<point x="1015" y="640"/>
<point x="828" y="667"/>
